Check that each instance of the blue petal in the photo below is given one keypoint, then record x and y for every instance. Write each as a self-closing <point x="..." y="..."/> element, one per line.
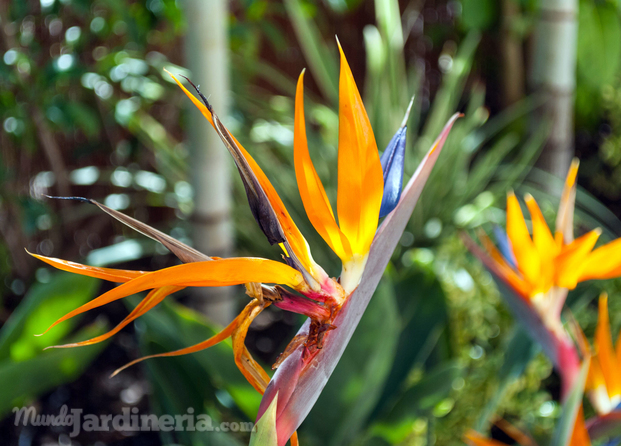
<point x="392" y="166"/>
<point x="504" y="246"/>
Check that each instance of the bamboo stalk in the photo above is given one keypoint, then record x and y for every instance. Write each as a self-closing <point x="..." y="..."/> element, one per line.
<point x="206" y="49"/>
<point x="553" y="75"/>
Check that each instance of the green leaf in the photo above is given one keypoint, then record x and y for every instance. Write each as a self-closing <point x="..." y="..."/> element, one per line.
<point x="599" y="43"/>
<point x="320" y="59"/>
<point x="518" y="353"/>
<point x="42" y="305"/>
<point x="265" y="433"/>
<point x="426" y="394"/>
<point x="423" y="316"/>
<point x="50" y="369"/>
<point x="478" y="14"/>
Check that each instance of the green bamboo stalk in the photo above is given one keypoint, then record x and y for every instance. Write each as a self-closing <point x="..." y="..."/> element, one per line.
<point x="206" y="48"/>
<point x="553" y="75"/>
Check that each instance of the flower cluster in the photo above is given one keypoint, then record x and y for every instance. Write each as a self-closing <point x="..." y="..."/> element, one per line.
<point x="369" y="187"/>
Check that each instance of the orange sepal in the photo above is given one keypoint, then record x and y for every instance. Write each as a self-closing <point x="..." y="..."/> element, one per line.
<point x="604" y="262"/>
<point x="222" y="272"/>
<point x="360" y="178"/>
<point x="146" y="304"/>
<point x="526" y="254"/>
<point x="246" y="364"/>
<point x="509" y="274"/>
<point x="570" y="263"/>
<point x="564" y="230"/>
<point x="605" y="351"/>
<point x="311" y="189"/>
<point x="580" y="435"/>
<point x="112" y="275"/>
<point x="215" y="339"/>
<point x="544" y="243"/>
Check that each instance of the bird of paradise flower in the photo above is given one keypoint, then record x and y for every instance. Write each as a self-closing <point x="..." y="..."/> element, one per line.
<point x="537" y="272"/>
<point x="603" y="384"/>
<point x="368" y="188"/>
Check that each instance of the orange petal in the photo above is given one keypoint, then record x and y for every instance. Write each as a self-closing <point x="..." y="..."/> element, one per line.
<point x="216" y="339"/>
<point x="526" y="254"/>
<point x="524" y="288"/>
<point x="542" y="237"/>
<point x="294" y="439"/>
<point x="565" y="215"/>
<point x="604" y="262"/>
<point x="294" y="236"/>
<point x="150" y="301"/>
<point x="246" y="364"/>
<point x="580" y="435"/>
<point x="605" y="352"/>
<point x="360" y="178"/>
<point x="618" y="348"/>
<point x="222" y="272"/>
<point x="112" y="275"/>
<point x="544" y="243"/>
<point x="313" y="194"/>
<point x="570" y="263"/>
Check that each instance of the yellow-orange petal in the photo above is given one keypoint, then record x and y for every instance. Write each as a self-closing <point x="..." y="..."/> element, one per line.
<point x="151" y="300"/>
<point x="604" y="262"/>
<point x="605" y="352"/>
<point x="223" y="272"/>
<point x="544" y="243"/>
<point x="294" y="236"/>
<point x="311" y="189"/>
<point x="526" y="254"/>
<point x="618" y="348"/>
<point x="565" y="216"/>
<point x="246" y="364"/>
<point x="215" y="339"/>
<point x="112" y="275"/>
<point x="580" y="435"/>
<point x="571" y="261"/>
<point x="524" y="288"/>
<point x="360" y="178"/>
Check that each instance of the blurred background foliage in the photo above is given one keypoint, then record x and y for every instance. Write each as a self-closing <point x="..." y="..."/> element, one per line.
<point x="85" y="111"/>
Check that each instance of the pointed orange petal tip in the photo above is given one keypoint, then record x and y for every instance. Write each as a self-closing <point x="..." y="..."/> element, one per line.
<point x="573" y="172"/>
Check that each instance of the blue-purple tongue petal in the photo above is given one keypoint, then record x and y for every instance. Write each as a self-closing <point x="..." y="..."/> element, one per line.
<point x="504" y="245"/>
<point x="392" y="167"/>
